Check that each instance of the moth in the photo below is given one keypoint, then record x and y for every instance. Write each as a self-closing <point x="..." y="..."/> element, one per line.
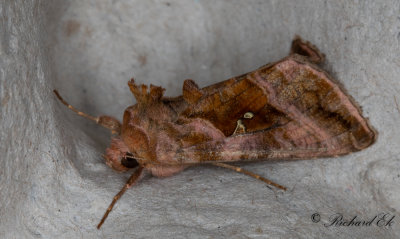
<point x="290" y="109"/>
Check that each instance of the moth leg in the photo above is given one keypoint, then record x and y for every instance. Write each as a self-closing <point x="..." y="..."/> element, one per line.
<point x="133" y="179"/>
<point x="305" y="48"/>
<point x="106" y="121"/>
<point x="256" y="176"/>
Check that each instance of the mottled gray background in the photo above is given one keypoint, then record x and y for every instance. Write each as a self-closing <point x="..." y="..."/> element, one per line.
<point x="54" y="182"/>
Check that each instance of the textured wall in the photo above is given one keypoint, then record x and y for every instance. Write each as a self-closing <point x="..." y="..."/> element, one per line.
<point x="53" y="181"/>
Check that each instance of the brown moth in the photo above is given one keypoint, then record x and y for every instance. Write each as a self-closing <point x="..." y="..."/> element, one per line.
<point x="290" y="109"/>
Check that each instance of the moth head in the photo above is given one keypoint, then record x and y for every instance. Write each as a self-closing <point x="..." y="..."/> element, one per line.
<point x="129" y="160"/>
<point x="118" y="156"/>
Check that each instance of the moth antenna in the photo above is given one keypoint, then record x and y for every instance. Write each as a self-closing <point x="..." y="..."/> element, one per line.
<point x="133" y="179"/>
<point x="251" y="174"/>
<point x="106" y="121"/>
<point x="95" y="119"/>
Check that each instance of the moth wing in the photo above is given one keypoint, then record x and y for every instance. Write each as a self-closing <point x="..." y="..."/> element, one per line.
<point x="297" y="111"/>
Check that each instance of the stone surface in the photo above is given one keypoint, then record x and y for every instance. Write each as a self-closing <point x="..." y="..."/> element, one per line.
<point x="53" y="180"/>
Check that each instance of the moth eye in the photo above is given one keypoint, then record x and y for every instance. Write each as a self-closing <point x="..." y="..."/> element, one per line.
<point x="129" y="161"/>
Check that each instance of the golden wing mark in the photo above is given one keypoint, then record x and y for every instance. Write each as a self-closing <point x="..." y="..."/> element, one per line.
<point x="241" y="129"/>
